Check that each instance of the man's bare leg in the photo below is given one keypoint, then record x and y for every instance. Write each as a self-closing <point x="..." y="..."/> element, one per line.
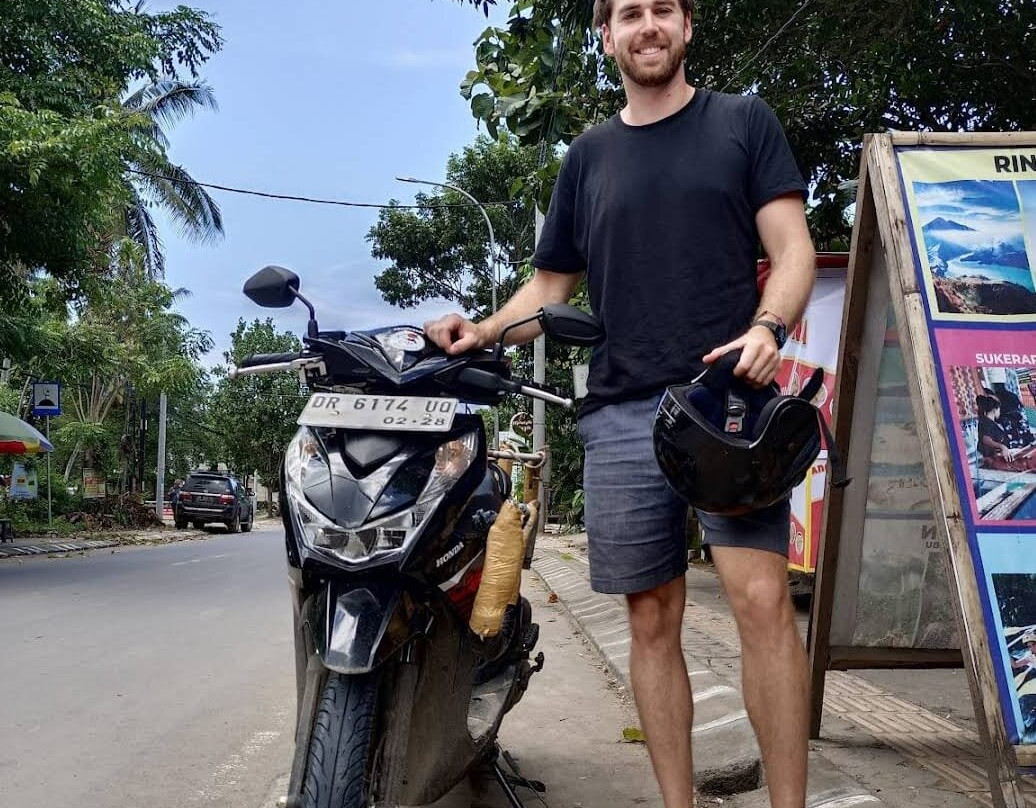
<point x="661" y="687"/>
<point x="774" y="668"/>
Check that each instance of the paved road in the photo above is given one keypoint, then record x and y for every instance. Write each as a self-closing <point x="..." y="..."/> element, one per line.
<point x="157" y="676"/>
<point x="162" y="676"/>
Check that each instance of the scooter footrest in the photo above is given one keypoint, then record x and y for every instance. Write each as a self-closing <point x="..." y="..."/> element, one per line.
<point x="530" y="637"/>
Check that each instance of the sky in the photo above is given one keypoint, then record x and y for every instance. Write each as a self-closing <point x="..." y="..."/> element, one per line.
<point x="330" y="100"/>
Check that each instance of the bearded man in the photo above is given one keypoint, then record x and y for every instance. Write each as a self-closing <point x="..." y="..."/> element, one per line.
<point x="662" y="208"/>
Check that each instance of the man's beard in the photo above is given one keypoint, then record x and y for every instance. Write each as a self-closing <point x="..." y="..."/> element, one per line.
<point x="657" y="76"/>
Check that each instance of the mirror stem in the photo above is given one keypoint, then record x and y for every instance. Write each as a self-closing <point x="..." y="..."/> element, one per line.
<point x="499" y="352"/>
<point x="312" y="329"/>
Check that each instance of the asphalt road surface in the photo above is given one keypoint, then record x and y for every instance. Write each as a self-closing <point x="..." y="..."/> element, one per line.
<point x="162" y="676"/>
<point x="157" y="676"/>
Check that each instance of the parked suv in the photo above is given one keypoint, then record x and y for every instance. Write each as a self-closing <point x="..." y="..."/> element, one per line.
<point x="213" y="497"/>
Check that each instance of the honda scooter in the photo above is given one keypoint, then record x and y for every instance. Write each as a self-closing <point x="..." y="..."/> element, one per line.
<point x="388" y="497"/>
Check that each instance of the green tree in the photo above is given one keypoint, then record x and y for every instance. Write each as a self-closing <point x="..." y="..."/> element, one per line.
<point x="442" y="251"/>
<point x="436" y="250"/>
<point x="65" y="137"/>
<point x="152" y="179"/>
<point x="831" y="69"/>
<point x="256" y="414"/>
<point x="118" y="341"/>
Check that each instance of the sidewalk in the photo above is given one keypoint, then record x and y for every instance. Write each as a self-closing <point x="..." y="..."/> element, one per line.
<point x="887" y="737"/>
<point x="97" y="540"/>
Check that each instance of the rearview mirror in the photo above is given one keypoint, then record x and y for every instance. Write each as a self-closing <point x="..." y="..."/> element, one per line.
<point x="272" y="287"/>
<point x="570" y="325"/>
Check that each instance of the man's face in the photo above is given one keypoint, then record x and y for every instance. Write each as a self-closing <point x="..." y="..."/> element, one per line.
<point x="648" y="39"/>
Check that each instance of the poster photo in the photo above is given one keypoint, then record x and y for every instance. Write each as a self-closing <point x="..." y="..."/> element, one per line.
<point x="991" y="386"/>
<point x="811" y="345"/>
<point x="974" y="227"/>
<point x="1010" y="573"/>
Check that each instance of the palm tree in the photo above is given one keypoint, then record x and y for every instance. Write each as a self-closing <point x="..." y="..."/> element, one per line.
<point x="154" y="180"/>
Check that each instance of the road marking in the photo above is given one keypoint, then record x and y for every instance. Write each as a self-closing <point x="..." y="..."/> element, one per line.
<point x="710" y="692"/>
<point x="740" y="715"/>
<point x="846" y="802"/>
<point x="196" y="560"/>
<point x="234" y="769"/>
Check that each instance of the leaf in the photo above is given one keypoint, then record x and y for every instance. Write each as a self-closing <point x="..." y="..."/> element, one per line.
<point x="633" y="735"/>
<point x="482" y="106"/>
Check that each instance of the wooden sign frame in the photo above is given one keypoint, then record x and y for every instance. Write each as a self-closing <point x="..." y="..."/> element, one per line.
<point x="883" y="277"/>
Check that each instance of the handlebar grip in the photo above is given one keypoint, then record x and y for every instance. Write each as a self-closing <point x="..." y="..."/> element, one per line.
<point x="268" y="359"/>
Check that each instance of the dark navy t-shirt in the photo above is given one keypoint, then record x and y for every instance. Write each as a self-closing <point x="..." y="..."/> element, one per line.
<point x="662" y="219"/>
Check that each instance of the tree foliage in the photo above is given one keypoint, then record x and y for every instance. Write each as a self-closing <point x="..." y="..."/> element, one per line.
<point x="65" y="137"/>
<point x="255" y="415"/>
<point x="120" y="336"/>
<point x="831" y="69"/>
<point x="441" y="251"/>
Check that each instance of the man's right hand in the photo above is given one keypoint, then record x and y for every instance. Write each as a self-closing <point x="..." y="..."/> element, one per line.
<point x="455" y="335"/>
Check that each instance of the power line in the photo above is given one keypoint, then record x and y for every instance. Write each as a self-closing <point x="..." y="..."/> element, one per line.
<point x="314" y="200"/>
<point x="767" y="44"/>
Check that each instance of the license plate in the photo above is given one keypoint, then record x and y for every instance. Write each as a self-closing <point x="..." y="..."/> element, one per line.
<point x="402" y="413"/>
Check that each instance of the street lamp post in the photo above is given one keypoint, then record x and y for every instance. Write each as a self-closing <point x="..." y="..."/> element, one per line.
<point x="492" y="260"/>
<point x="489" y="225"/>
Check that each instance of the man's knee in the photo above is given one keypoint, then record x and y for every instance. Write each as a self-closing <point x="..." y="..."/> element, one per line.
<point x="762" y="604"/>
<point x="657" y="614"/>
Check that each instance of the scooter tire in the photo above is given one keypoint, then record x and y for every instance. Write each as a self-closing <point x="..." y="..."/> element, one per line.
<point x="338" y="762"/>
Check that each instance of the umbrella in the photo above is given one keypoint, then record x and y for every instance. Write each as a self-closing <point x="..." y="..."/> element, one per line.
<point x="18" y="437"/>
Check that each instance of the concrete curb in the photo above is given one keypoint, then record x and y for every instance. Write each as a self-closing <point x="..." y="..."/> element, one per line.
<point x="51" y="547"/>
<point x="34" y="546"/>
<point x="726" y="755"/>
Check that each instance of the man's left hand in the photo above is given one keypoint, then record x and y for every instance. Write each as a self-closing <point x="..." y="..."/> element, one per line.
<point x="760" y="358"/>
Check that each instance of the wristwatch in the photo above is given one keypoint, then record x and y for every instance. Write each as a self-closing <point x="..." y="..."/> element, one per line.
<point x="776" y="327"/>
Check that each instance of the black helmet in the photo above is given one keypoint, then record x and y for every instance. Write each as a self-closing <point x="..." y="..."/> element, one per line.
<point x="729" y="448"/>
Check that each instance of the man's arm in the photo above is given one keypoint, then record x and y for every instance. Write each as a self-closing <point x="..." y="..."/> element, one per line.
<point x="782" y="229"/>
<point x="785" y="237"/>
<point x="455" y="335"/>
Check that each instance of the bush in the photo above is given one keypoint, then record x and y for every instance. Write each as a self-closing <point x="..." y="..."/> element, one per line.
<point x="34" y="511"/>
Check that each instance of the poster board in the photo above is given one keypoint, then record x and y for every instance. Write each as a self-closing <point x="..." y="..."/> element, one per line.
<point x="927" y="556"/>
<point x="812" y="344"/>
<point x="93" y="484"/>
<point x="24" y="484"/>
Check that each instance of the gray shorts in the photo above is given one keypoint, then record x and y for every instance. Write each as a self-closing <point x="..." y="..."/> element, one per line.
<point x="636" y="525"/>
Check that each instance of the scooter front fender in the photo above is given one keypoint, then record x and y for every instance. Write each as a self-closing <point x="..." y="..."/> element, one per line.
<point x="355" y="625"/>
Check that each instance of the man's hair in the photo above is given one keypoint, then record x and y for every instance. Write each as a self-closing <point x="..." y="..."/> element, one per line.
<point x="603" y="10"/>
<point x="986" y="404"/>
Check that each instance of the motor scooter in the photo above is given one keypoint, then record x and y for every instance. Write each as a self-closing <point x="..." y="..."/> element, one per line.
<point x="388" y="495"/>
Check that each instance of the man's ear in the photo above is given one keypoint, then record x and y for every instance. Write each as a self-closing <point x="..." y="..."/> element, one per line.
<point x="688" y="30"/>
<point x="607" y="41"/>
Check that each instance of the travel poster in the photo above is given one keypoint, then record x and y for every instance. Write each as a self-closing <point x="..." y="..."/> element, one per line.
<point x="971" y="213"/>
<point x="1009" y="572"/>
<point x="973" y="223"/>
<point x="991" y="382"/>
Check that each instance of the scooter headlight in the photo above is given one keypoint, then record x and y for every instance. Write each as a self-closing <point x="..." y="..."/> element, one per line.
<point x="305" y="466"/>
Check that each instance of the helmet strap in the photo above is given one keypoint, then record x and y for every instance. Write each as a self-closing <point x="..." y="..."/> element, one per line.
<point x="736" y="410"/>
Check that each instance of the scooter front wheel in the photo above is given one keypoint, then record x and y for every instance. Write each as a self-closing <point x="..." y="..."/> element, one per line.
<point x="338" y="763"/>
